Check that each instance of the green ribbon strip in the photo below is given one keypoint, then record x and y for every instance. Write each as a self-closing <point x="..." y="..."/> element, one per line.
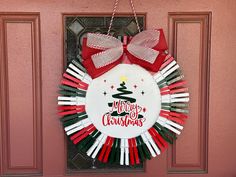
<point x="165" y="133"/>
<point x="86" y="140"/>
<point x="144" y="147"/>
<point x="179" y="105"/>
<point x="140" y="150"/>
<point x="166" y="107"/>
<point x="77" y="63"/>
<point x="72" y="121"/>
<point x="118" y="151"/>
<point x="161" y="82"/>
<point x="179" y="110"/>
<point x="68" y="88"/>
<point x="68" y="93"/>
<point x="173" y="75"/>
<point x="90" y="143"/>
<point x="73" y="116"/>
<point x="113" y="151"/>
<point x="162" y="85"/>
<point x="175" y="79"/>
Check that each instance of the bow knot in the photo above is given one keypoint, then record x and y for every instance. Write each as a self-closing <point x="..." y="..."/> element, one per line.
<point x="102" y="52"/>
<point x="125" y="48"/>
<point x="125" y="41"/>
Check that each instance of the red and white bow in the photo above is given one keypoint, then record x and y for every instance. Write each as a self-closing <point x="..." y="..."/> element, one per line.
<point x="102" y="52"/>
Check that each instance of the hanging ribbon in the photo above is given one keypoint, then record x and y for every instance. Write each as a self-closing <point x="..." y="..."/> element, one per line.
<point x="102" y="52"/>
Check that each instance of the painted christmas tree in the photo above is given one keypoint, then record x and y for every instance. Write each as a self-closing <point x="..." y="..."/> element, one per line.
<point x="123" y="95"/>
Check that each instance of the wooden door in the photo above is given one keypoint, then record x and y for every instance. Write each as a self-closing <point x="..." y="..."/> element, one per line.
<point x="201" y="35"/>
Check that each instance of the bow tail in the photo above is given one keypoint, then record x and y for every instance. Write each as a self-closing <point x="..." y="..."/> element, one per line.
<point x="145" y="64"/>
<point x="95" y="72"/>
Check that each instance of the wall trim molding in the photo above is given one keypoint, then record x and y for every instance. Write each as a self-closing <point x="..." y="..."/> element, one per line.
<point x="6" y="168"/>
<point x="204" y="18"/>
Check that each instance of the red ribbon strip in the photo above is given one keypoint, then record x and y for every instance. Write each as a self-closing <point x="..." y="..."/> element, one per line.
<point x="94" y="72"/>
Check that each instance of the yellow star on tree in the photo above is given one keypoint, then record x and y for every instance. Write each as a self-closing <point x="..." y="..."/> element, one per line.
<point x="123" y="78"/>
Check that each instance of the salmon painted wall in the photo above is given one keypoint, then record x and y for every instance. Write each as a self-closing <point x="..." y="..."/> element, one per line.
<point x="222" y="100"/>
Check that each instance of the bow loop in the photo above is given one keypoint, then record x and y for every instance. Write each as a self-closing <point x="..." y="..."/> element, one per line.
<point x="102" y="41"/>
<point x="148" y="38"/>
<point x="144" y="53"/>
<point x="107" y="57"/>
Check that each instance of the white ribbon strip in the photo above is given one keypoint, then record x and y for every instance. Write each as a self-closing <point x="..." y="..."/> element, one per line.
<point x="140" y="46"/>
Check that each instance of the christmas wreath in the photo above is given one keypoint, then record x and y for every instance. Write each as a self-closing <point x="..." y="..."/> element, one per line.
<point x="129" y="103"/>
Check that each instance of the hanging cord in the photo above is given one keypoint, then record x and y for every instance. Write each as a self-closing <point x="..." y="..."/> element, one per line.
<point x="135" y="15"/>
<point x="113" y="15"/>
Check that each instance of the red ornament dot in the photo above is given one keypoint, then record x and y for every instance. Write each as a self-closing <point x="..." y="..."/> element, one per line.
<point x="144" y="109"/>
